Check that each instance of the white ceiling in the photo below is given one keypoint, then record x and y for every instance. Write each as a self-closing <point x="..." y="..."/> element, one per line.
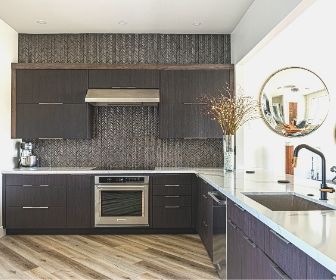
<point x="142" y="16"/>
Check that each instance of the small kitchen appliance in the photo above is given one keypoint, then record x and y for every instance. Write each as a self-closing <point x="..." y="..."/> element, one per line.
<point x="27" y="159"/>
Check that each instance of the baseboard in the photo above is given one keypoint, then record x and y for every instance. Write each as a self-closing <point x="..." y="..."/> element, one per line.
<point x="2" y="232"/>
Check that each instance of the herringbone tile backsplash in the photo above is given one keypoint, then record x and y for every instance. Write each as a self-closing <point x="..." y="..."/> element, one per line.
<point x="126" y="137"/>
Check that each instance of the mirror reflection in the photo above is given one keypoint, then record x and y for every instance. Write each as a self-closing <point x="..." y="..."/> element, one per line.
<point x="294" y="102"/>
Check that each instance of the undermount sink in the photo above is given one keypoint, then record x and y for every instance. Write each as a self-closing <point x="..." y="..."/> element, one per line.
<point x="286" y="202"/>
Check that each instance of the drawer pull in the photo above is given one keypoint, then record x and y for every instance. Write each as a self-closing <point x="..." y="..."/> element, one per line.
<point x="194" y="103"/>
<point x="240" y="208"/>
<point x="232" y="224"/>
<point x="215" y="198"/>
<point x="50" y="103"/>
<point x="27" y="185"/>
<point x="172" y="185"/>
<point x="121" y="220"/>
<point x="172" y="206"/>
<point x="44" y="185"/>
<point x="171" y="196"/>
<point x="280" y="237"/>
<point x="280" y="273"/>
<point x="250" y="242"/>
<point x="33" y="207"/>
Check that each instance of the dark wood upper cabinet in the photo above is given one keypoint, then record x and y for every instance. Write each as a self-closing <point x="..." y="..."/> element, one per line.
<point x="182" y="114"/>
<point x="51" y="86"/>
<point x="124" y="78"/>
<point x="180" y="86"/>
<point x="53" y="121"/>
<point x="187" y="121"/>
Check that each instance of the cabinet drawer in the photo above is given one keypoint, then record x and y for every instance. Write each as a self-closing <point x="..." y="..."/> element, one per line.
<point x="171" y="200"/>
<point x="172" y="217"/>
<point x="237" y="215"/>
<point x="171" y="189"/>
<point x="172" y="179"/>
<point x="289" y="258"/>
<point x="35" y="180"/>
<point x="51" y="217"/>
<point x="35" y="196"/>
<point x="318" y="271"/>
<point x="256" y="231"/>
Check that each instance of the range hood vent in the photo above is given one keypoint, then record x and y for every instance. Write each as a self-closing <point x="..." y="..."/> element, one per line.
<point x="123" y="96"/>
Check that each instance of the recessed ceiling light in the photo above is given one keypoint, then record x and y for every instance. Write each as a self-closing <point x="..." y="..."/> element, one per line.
<point x="122" y="22"/>
<point x="196" y="23"/>
<point x="41" y="21"/>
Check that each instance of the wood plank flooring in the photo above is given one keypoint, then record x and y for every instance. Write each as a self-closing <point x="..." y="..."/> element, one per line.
<point x="104" y="257"/>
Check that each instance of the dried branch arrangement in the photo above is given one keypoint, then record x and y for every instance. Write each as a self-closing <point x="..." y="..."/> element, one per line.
<point x="229" y="110"/>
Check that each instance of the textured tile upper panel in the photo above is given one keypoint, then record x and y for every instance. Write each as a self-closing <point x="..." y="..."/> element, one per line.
<point x="124" y="48"/>
<point x="127" y="137"/>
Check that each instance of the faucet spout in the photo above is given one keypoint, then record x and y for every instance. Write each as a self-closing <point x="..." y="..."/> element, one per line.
<point x="324" y="187"/>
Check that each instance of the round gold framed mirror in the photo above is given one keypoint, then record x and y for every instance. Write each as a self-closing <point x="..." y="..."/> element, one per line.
<point x="294" y="102"/>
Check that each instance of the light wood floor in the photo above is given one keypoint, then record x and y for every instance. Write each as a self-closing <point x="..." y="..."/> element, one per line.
<point x="104" y="257"/>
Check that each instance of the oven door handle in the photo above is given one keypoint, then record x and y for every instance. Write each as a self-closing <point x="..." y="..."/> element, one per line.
<point x="120" y="187"/>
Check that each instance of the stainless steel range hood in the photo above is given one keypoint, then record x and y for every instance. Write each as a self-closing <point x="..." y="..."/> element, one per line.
<point x="123" y="96"/>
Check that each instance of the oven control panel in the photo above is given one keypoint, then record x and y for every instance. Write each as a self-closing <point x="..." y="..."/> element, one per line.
<point x="110" y="180"/>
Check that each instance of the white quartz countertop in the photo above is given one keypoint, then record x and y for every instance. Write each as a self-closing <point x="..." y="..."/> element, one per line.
<point x="314" y="232"/>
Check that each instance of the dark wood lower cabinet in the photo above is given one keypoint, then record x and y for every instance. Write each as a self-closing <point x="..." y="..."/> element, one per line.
<point x="318" y="271"/>
<point x="254" y="251"/>
<point x="47" y="201"/>
<point x="233" y="251"/>
<point x="79" y="201"/>
<point x="25" y="217"/>
<point x="172" y="216"/>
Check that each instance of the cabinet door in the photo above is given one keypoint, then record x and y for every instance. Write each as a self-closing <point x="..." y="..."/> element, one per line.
<point x="123" y="78"/>
<point x="234" y="251"/>
<point x="79" y="201"/>
<point x="53" y="121"/>
<point x="187" y="121"/>
<point x="50" y="86"/>
<point x="186" y="86"/>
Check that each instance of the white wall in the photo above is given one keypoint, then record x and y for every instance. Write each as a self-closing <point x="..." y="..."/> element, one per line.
<point x="308" y="42"/>
<point x="8" y="54"/>
<point x="261" y="22"/>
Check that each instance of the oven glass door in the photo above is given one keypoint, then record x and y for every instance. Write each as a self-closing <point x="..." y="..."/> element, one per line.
<point x="121" y="205"/>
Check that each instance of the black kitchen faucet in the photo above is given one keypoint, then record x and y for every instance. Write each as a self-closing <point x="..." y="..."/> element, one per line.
<point x="324" y="190"/>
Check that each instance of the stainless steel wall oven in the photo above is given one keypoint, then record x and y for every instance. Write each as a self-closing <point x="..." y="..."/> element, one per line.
<point x="121" y="201"/>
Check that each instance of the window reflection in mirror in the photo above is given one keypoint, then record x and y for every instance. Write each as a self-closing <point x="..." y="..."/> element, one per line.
<point x="294" y="102"/>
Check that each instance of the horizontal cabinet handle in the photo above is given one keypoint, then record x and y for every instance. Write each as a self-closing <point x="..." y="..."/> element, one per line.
<point x="214" y="197"/>
<point x="121" y="220"/>
<point x="44" y="185"/>
<point x="280" y="237"/>
<point x="27" y="185"/>
<point x="172" y="185"/>
<point x="171" y="196"/>
<point x="232" y="224"/>
<point x="240" y="208"/>
<point x="50" y="138"/>
<point x="278" y="271"/>
<point x="172" y="207"/>
<point x="194" y="103"/>
<point x="51" y="103"/>
<point x="35" y="207"/>
<point x="250" y="242"/>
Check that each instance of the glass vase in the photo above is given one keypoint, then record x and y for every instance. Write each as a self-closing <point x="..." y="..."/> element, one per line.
<point x="229" y="154"/>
